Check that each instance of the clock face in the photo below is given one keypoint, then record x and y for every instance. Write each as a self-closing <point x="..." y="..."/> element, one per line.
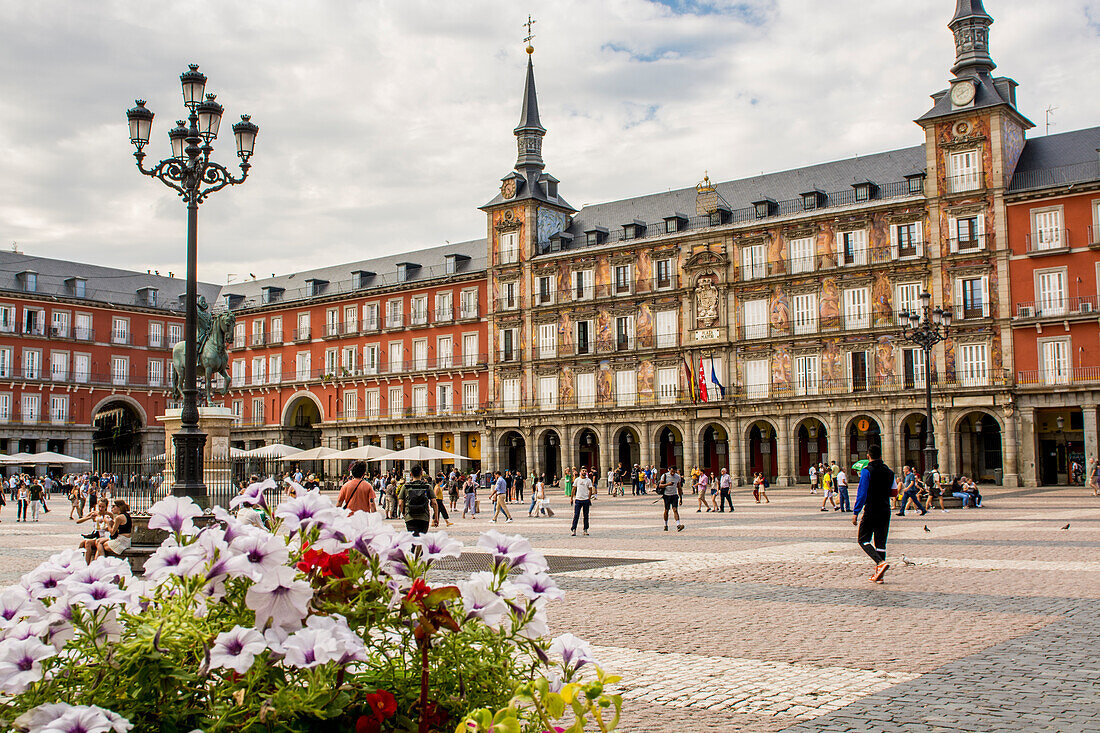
<point x="508" y="188"/>
<point x="962" y="93"/>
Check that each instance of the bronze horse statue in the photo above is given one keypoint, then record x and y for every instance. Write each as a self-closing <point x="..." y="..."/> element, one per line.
<point x="211" y="360"/>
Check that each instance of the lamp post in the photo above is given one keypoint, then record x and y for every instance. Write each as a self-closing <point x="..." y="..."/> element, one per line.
<point x="190" y="172"/>
<point x="926" y="328"/>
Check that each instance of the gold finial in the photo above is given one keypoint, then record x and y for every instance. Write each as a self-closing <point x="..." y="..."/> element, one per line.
<point x="705" y="186"/>
<point x="530" y="36"/>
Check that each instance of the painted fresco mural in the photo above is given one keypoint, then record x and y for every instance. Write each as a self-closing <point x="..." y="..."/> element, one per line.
<point x="829" y="304"/>
<point x="882" y="305"/>
<point x="825" y="245"/>
<point x="605" y="337"/>
<point x="780" y="312"/>
<point x="603" y="382"/>
<point x="1012" y="142"/>
<point x="832" y="363"/>
<point x="643" y="326"/>
<point x="781" y="369"/>
<point x="885" y="360"/>
<point x="567" y="393"/>
<point x="777" y="253"/>
<point x="565" y="332"/>
<point x="646" y="374"/>
<point x="644" y="272"/>
<point x="878" y="238"/>
<point x="603" y="274"/>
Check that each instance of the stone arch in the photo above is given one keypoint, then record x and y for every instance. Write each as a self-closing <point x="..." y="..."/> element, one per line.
<point x="978" y="438"/>
<point x="667" y="440"/>
<point x="761" y="448"/>
<point x="812" y="441"/>
<point x="586" y="444"/>
<point x="626" y="447"/>
<point x="129" y="401"/>
<point x="293" y="400"/>
<point x="858" y="439"/>
<point x="713" y="440"/>
<point x="548" y="456"/>
<point x="910" y="430"/>
<point x="512" y="451"/>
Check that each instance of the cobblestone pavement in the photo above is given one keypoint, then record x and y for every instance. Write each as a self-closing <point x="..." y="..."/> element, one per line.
<point x="763" y="619"/>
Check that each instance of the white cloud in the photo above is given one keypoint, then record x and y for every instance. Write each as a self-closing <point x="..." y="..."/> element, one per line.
<point x="385" y="125"/>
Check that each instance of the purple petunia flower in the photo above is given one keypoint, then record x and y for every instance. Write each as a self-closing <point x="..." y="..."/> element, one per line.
<point x="538" y="586"/>
<point x="303" y="512"/>
<point x="257" y="555"/>
<point x="437" y="545"/>
<point x="280" y="598"/>
<point x="480" y="601"/>
<point x="59" y="717"/>
<point x="574" y="652"/>
<point x="513" y="552"/>
<point x="237" y="649"/>
<point x="21" y="663"/>
<point x="175" y="514"/>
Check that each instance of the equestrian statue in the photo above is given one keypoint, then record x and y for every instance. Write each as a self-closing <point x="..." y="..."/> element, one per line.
<point x="214" y="333"/>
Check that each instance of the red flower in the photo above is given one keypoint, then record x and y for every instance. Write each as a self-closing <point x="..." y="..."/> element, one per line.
<point x="368" y="724"/>
<point x="418" y="591"/>
<point x="382" y="703"/>
<point x="328" y="565"/>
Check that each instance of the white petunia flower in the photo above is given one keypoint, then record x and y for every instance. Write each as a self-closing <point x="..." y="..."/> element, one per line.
<point x="279" y="598"/>
<point x="574" y="652"/>
<point x="21" y="663"/>
<point x="438" y="545"/>
<point x="513" y="552"/>
<point x="306" y="510"/>
<point x="175" y="514"/>
<point x="538" y="586"/>
<point x="479" y="601"/>
<point x="257" y="555"/>
<point x="237" y="649"/>
<point x="61" y="717"/>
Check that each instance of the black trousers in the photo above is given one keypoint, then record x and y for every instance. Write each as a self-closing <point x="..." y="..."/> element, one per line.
<point x="873" y="528"/>
<point x="581" y="506"/>
<point x="442" y="509"/>
<point x="724" y="498"/>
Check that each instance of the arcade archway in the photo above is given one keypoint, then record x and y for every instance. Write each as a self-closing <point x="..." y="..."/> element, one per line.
<point x="512" y="452"/>
<point x="863" y="432"/>
<point x="588" y="450"/>
<point x="912" y="441"/>
<point x="813" y="442"/>
<point x="763" y="454"/>
<point x="979" y="447"/>
<point x="670" y="448"/>
<point x="550" y="455"/>
<point x="627" y="448"/>
<point x="116" y="439"/>
<point x="715" y="448"/>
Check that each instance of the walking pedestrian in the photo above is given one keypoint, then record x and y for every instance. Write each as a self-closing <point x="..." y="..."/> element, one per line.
<point x="414" y="501"/>
<point x="909" y="491"/>
<point x="827" y="491"/>
<point x="357" y="495"/>
<point x="469" y="497"/>
<point x="500" y="495"/>
<point x="1094" y="476"/>
<point x="725" y="486"/>
<point x="671" y="487"/>
<point x="813" y="479"/>
<point x="583" y="494"/>
<point x="876" y="486"/>
<point x="36" y="500"/>
<point x="842" y="491"/>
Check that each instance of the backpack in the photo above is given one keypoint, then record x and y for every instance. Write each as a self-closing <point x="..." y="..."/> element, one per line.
<point x="417" y="498"/>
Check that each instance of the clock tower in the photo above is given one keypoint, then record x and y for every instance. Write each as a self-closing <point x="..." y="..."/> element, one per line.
<point x="974" y="135"/>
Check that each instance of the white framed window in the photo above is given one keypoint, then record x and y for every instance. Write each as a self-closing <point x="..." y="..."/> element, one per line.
<point x="545" y="289"/>
<point x="509" y="389"/>
<point x="238" y="336"/>
<point x="82" y="368"/>
<point x="396" y="356"/>
<point x="59" y="366"/>
<point x="908" y="300"/>
<point x="756" y="318"/>
<point x="59" y="327"/>
<point x="237" y="373"/>
<point x="444" y="398"/>
<point x="509" y="247"/>
<point x="470" y="397"/>
<point x="469" y="349"/>
<point x="468" y="304"/>
<point x="626" y="389"/>
<point x="120" y="370"/>
<point x="395" y="402"/>
<point x="303" y="332"/>
<point x="802" y="254"/>
<point x="509" y="344"/>
<point x="859" y="374"/>
<point x="548" y="340"/>
<point x="175" y="331"/>
<point x="753" y="259"/>
<point x="370" y="317"/>
<point x="156" y="332"/>
<point x="624" y="283"/>
<point x="548" y="393"/>
<point x="29" y="406"/>
<point x="971" y="297"/>
<point x="757" y="379"/>
<point x="419" y="307"/>
<point x="667" y="336"/>
<point x="259" y="370"/>
<point x="857" y="311"/>
<point x="586" y="389"/>
<point x="713" y="369"/>
<point x="583" y="288"/>
<point x="668" y="383"/>
<point x="1056" y="367"/>
<point x="332" y="362"/>
<point x="805" y="313"/>
<point x="912" y="368"/>
<point x="1046" y="229"/>
<point x="973" y="365"/>
<point x="444" y="352"/>
<point x="583" y="337"/>
<point x="59" y="409"/>
<point x="444" y="306"/>
<point x="967" y="233"/>
<point x="120" y="330"/>
<point x="351" y="318"/>
<point x="370" y="359"/>
<point x="852" y="247"/>
<point x="965" y="171"/>
<point x="303" y="364"/>
<point x="332" y="322"/>
<point x="5" y="362"/>
<point x="420" y="354"/>
<point x="624" y="333"/>
<point x="155" y="372"/>
<point x="420" y="400"/>
<point x="7" y="322"/>
<point x="5" y="407"/>
<point x="806" y="375"/>
<point x="665" y="279"/>
<point x="34" y="322"/>
<point x="906" y="240"/>
<point x="32" y="364"/>
<point x="257" y="411"/>
<point x="372" y="403"/>
<point x="275" y="368"/>
<point x="395" y="313"/>
<point x="238" y="408"/>
<point x="1050" y="292"/>
<point x="509" y="295"/>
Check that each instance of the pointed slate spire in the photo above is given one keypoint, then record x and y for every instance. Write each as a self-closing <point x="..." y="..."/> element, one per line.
<point x="530" y="131"/>
<point x="971" y="29"/>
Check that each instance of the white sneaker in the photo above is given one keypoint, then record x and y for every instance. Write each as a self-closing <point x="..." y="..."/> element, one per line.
<point x="492" y="521"/>
<point x="508" y="521"/>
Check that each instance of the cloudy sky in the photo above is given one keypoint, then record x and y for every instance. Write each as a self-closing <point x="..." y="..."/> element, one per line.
<point x="385" y="124"/>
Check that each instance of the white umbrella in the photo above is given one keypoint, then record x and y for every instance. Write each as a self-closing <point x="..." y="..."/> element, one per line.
<point x="237" y="452"/>
<point x="420" y="453"/>
<point x="16" y="459"/>
<point x="275" y="450"/>
<point x="48" y="457"/>
<point x="362" y="453"/>
<point x="320" y="453"/>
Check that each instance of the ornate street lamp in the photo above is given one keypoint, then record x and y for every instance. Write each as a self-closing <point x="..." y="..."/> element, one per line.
<point x="191" y="173"/>
<point x="926" y="328"/>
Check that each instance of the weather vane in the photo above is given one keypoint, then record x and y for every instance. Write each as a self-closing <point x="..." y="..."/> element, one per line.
<point x="530" y="36"/>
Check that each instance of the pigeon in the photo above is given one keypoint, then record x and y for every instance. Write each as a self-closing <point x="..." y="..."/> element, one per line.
<point x="1066" y="527"/>
<point x="907" y="561"/>
<point x="926" y="528"/>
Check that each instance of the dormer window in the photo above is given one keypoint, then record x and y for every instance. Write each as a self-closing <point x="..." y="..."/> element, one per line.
<point x="271" y="294"/>
<point x="233" y="300"/>
<point x="813" y="200"/>
<point x="721" y="215"/>
<point x="865" y="190"/>
<point x="916" y="183"/>
<point x="634" y="229"/>
<point x="361" y="278"/>
<point x="315" y="287"/>
<point x="454" y="262"/>
<point x="405" y="270"/>
<point x="764" y="208"/>
<point x="147" y="296"/>
<point x="28" y="279"/>
<point x="675" y="223"/>
<point x="549" y="185"/>
<point x="594" y="236"/>
<point x="77" y="286"/>
<point x="560" y="241"/>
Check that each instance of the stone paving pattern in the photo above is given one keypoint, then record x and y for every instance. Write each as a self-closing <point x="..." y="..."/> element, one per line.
<point x="763" y="619"/>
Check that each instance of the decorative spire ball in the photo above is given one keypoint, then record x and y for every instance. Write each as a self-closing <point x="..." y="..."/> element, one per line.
<point x="530" y="49"/>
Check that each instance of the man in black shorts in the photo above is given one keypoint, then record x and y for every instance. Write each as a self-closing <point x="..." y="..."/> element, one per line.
<point x="671" y="487"/>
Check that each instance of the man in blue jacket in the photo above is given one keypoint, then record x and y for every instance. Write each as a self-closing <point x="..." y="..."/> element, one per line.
<point x="876" y="484"/>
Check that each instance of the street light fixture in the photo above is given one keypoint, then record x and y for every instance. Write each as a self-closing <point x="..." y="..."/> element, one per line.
<point x="191" y="174"/>
<point x="926" y="328"/>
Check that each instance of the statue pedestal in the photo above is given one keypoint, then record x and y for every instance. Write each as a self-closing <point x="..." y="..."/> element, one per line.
<point x="215" y="422"/>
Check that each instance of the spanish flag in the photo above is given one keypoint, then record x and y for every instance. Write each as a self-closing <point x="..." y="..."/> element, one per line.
<point x="689" y="378"/>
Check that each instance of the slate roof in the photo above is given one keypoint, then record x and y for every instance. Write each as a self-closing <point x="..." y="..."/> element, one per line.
<point x="105" y="284"/>
<point x="340" y="278"/>
<point x="1055" y="151"/>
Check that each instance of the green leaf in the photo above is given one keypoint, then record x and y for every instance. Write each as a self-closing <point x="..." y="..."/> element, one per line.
<point x="508" y="725"/>
<point x="504" y="713"/>
<point x="438" y="595"/>
<point x="555" y="704"/>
